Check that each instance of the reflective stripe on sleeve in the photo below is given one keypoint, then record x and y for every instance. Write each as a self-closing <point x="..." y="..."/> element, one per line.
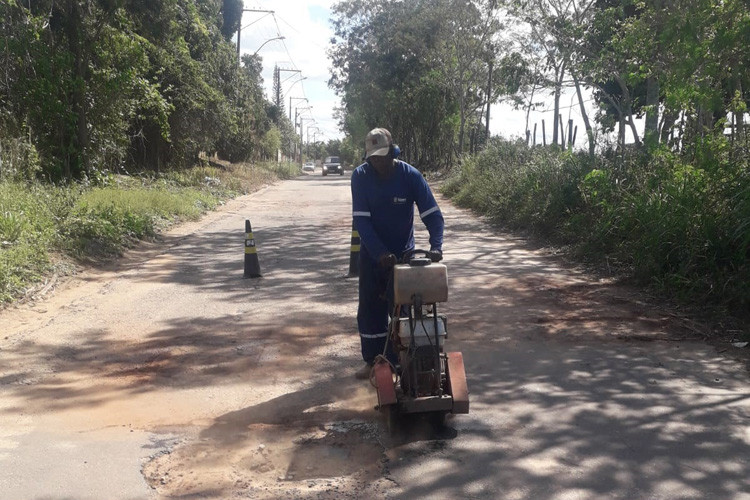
<point x="374" y="336"/>
<point x="361" y="214"/>
<point x="428" y="212"/>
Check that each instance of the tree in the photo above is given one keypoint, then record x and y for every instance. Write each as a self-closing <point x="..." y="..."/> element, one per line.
<point x="550" y="38"/>
<point x="231" y="14"/>
<point x="412" y="67"/>
<point x="101" y="84"/>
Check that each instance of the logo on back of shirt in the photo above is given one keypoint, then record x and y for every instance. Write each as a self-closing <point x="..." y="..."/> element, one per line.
<point x="398" y="201"/>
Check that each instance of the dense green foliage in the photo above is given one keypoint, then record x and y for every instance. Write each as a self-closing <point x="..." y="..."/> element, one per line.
<point x="418" y="68"/>
<point x="427" y="70"/>
<point x="121" y="85"/>
<point x="94" y="87"/>
<point x="662" y="189"/>
<point x="682" y="226"/>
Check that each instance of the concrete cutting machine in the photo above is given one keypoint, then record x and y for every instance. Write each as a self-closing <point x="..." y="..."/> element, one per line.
<point x="427" y="379"/>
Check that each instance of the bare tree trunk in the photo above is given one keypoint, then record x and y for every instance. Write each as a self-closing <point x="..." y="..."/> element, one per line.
<point x="489" y="98"/>
<point x="651" y="132"/>
<point x="75" y="44"/>
<point x="531" y="103"/>
<point x="620" y="118"/>
<point x="559" y="75"/>
<point x="668" y="121"/>
<point x="739" y="117"/>
<point x="570" y="134"/>
<point x="682" y="132"/>
<point x="706" y="121"/>
<point x="627" y="110"/>
<point x="585" y="116"/>
<point x="462" y="112"/>
<point x="562" y="131"/>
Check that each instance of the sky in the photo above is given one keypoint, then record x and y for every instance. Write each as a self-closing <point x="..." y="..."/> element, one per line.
<point x="307" y="31"/>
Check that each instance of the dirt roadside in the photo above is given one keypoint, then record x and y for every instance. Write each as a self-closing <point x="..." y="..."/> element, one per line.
<point x="167" y="375"/>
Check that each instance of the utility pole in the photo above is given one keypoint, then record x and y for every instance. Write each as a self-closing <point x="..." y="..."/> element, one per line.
<point x="296" y="123"/>
<point x="489" y="98"/>
<point x="239" y="30"/>
<point x="302" y="120"/>
<point x="290" y="103"/>
<point x="307" y="150"/>
<point x="277" y="97"/>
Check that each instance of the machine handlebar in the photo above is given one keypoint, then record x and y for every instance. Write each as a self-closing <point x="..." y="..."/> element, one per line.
<point x="420" y="257"/>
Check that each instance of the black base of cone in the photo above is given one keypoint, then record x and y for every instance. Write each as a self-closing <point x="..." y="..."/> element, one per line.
<point x="252" y="266"/>
<point x="354" y="265"/>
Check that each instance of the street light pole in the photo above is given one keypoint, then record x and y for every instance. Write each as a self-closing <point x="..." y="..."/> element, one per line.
<point x="239" y="28"/>
<point x="296" y="110"/>
<point x="302" y="120"/>
<point x="269" y="40"/>
<point x="290" y="103"/>
<point x="308" y="133"/>
<point x="295" y="82"/>
<point x="296" y="113"/>
<point x="278" y="98"/>
<point x="290" y="89"/>
<point x="308" y="138"/>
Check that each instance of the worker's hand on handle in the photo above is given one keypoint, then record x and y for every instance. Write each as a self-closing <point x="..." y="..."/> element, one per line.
<point x="436" y="255"/>
<point x="387" y="260"/>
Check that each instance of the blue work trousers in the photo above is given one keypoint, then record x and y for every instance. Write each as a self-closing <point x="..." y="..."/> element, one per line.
<point x="374" y="309"/>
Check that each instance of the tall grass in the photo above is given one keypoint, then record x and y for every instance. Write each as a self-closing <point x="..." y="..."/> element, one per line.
<point x="682" y="226"/>
<point x="29" y="218"/>
<point x="105" y="220"/>
<point x="42" y="226"/>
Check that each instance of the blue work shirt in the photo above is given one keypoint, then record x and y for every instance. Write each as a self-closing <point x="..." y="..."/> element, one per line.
<point x="383" y="209"/>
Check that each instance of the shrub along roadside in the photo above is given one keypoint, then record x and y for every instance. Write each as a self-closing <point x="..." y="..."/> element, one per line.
<point x="683" y="227"/>
<point x="42" y="227"/>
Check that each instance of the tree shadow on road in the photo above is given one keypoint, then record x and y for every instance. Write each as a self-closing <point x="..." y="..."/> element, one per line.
<point x="577" y="387"/>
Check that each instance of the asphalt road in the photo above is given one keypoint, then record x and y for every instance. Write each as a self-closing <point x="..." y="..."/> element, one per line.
<point x="168" y="375"/>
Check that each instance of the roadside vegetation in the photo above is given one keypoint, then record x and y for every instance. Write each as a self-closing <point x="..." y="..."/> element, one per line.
<point x="106" y="108"/>
<point x="108" y="113"/>
<point x="683" y="228"/>
<point x="47" y="229"/>
<point x="641" y="157"/>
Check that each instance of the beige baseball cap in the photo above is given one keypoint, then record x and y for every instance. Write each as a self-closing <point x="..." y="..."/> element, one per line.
<point x="378" y="142"/>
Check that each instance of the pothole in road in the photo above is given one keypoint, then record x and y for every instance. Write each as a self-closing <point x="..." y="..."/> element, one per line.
<point x="341" y="449"/>
<point x="272" y="460"/>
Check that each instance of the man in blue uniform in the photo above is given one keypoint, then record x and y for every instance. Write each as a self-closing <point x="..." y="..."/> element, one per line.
<point x="384" y="191"/>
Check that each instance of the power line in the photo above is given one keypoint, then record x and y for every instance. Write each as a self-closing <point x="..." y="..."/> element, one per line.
<point x="267" y="27"/>
<point x="259" y="19"/>
<point x="298" y="31"/>
<point x="278" y="28"/>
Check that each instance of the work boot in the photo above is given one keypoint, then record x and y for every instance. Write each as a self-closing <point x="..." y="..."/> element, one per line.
<point x="364" y="372"/>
